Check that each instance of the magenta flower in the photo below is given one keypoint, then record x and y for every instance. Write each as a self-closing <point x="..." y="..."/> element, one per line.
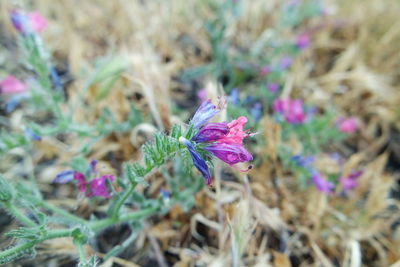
<point x="292" y="110"/>
<point x="223" y="140"/>
<point x="273" y="87"/>
<point x="11" y="85"/>
<point x="349" y="125"/>
<point x="26" y="23"/>
<point x="202" y="95"/>
<point x="302" y="41"/>
<point x="321" y="183"/>
<point x="98" y="186"/>
<point x="350" y="182"/>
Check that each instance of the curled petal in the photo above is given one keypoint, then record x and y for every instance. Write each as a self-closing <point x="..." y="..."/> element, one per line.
<point x="98" y="186"/>
<point x="211" y="132"/>
<point x="229" y="153"/>
<point x="204" y="113"/>
<point x="64" y="177"/>
<point x="198" y="161"/>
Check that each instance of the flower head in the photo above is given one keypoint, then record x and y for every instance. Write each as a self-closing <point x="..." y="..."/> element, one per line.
<point x="285" y="62"/>
<point x="11" y="85"/>
<point x="265" y="70"/>
<point x="349" y="125"/>
<point x="292" y="110"/>
<point x="26" y="23"/>
<point x="235" y="135"/>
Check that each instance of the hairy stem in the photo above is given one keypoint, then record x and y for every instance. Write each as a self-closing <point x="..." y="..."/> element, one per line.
<point x="19" y="215"/>
<point x="122" y="200"/>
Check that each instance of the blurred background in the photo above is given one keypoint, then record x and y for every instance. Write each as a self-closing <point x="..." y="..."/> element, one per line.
<point x="143" y="66"/>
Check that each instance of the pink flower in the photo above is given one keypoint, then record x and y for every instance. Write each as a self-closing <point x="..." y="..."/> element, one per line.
<point x="321" y="183"/>
<point x="292" y="110"/>
<point x="349" y="125"/>
<point x="26" y="23"/>
<point x="80" y="182"/>
<point x="11" y="85"/>
<point x="202" y="95"/>
<point x="264" y="71"/>
<point x="236" y="133"/>
<point x="302" y="41"/>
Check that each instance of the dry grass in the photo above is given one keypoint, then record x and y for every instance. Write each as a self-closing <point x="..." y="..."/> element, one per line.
<point x="263" y="220"/>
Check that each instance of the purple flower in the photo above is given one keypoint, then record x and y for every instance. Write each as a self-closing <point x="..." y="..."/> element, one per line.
<point x="202" y="95"/>
<point x="234" y="96"/>
<point x="302" y="41"/>
<point x="229" y="153"/>
<point x="198" y="161"/>
<point x="11" y="85"/>
<point x="273" y="87"/>
<point x="348" y="125"/>
<point x="285" y="62"/>
<point x="321" y="183"/>
<point x="203" y="114"/>
<point x="304" y="162"/>
<point x="98" y="186"/>
<point x="211" y="132"/>
<point x="32" y="135"/>
<point x="350" y="182"/>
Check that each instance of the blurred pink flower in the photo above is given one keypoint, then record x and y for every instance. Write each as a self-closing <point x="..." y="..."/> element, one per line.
<point x="98" y="186"/>
<point x="348" y="125"/>
<point x="350" y="182"/>
<point x="11" y="85"/>
<point x="302" y="41"/>
<point x="26" y="23"/>
<point x="264" y="70"/>
<point x="202" y="95"/>
<point x="322" y="184"/>
<point x="292" y="110"/>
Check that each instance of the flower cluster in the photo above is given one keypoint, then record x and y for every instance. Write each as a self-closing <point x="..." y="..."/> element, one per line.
<point x="291" y="110"/>
<point x="96" y="187"/>
<point x="223" y="140"/>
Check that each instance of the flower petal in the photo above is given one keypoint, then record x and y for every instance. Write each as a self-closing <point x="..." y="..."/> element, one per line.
<point x="229" y="153"/>
<point x="204" y="113"/>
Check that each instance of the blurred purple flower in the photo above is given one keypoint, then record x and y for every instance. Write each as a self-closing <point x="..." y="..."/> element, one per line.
<point x="321" y="183"/>
<point x="285" y="62"/>
<point x="64" y="177"/>
<point x="202" y="95"/>
<point x="350" y="182"/>
<point x="302" y="41"/>
<point x="273" y="87"/>
<point x="304" y="162"/>
<point x="29" y="133"/>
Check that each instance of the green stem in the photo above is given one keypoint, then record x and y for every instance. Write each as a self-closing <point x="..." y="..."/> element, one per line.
<point x="55" y="209"/>
<point x="122" y="200"/>
<point x="82" y="257"/>
<point x="19" y="215"/>
<point x="94" y="226"/>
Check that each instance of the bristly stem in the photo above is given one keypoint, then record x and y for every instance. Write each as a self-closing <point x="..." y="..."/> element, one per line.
<point x="19" y="215"/>
<point x="121" y="201"/>
<point x="55" y="209"/>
